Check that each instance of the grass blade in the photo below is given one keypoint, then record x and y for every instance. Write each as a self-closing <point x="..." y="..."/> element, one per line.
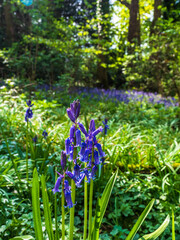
<point x="47" y="211"/>
<point x="140" y="220"/>
<point x="36" y="206"/>
<point x="158" y="232"/>
<point x="173" y="226"/>
<point x="25" y="237"/>
<point x="103" y="202"/>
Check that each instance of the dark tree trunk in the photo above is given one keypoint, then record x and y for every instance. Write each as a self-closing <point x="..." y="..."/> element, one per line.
<point x="134" y="23"/>
<point x="157" y="15"/>
<point x="9" y="23"/>
<point x="102" y="76"/>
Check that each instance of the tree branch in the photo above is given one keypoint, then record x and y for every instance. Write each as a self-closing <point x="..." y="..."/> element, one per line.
<point x="125" y="3"/>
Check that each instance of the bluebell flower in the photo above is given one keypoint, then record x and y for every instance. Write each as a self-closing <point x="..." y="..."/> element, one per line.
<point x="74" y="110"/>
<point x="85" y="157"/>
<point x="35" y="139"/>
<point x="101" y="153"/>
<point x="63" y="159"/>
<point x="93" y="171"/>
<point x="83" y="130"/>
<point x="29" y="103"/>
<point x="98" y="130"/>
<point x="67" y="146"/>
<point x="58" y="182"/>
<point x="106" y="127"/>
<point x="77" y="171"/>
<point x="92" y="126"/>
<point x="72" y="133"/>
<point x="66" y="186"/>
<point x="71" y="175"/>
<point x="28" y="114"/>
<point x="83" y="148"/>
<point x="71" y="153"/>
<point x="79" y="181"/>
<point x="45" y="134"/>
<point x="96" y="158"/>
<point x="87" y="174"/>
<point x="67" y="194"/>
<point x="78" y="137"/>
<point x="68" y="199"/>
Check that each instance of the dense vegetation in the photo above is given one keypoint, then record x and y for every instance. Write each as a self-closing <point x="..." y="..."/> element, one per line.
<point x="142" y="141"/>
<point x="122" y="44"/>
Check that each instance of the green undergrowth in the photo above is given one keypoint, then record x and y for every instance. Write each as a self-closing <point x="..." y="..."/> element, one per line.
<point x="139" y="133"/>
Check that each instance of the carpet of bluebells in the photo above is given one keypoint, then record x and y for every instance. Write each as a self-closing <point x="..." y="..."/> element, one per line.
<point x="139" y="136"/>
<point x="118" y="95"/>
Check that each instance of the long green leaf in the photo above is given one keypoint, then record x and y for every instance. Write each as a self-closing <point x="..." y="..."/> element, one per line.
<point x="173" y="226"/>
<point x="97" y="220"/>
<point x="106" y="195"/>
<point x="25" y="237"/>
<point x="36" y="206"/>
<point x="47" y="211"/>
<point x="158" y="232"/>
<point x="103" y="202"/>
<point x="140" y="220"/>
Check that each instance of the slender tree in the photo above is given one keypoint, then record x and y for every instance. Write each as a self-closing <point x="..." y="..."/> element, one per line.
<point x="134" y="33"/>
<point x="157" y="15"/>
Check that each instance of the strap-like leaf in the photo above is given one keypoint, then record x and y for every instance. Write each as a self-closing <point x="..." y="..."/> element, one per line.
<point x="97" y="220"/>
<point x="140" y="220"/>
<point x="25" y="237"/>
<point x="36" y="206"/>
<point x="158" y="232"/>
<point x="173" y="226"/>
<point x="103" y="202"/>
<point x="47" y="211"/>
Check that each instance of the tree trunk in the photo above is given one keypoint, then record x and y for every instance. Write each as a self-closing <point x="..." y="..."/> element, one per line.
<point x="9" y="23"/>
<point x="102" y="76"/>
<point x="134" y="23"/>
<point x="157" y="15"/>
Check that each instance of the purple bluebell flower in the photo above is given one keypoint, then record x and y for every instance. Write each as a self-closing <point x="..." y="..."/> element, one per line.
<point x="45" y="134"/>
<point x="28" y="114"/>
<point x="35" y="139"/>
<point x="63" y="159"/>
<point x="68" y="199"/>
<point x="106" y="127"/>
<point x="87" y="174"/>
<point x="58" y="182"/>
<point x="71" y="153"/>
<point x="67" y="194"/>
<point x="71" y="175"/>
<point x="78" y="138"/>
<point x="67" y="145"/>
<point x="101" y="153"/>
<point x="77" y="171"/>
<point x="90" y="143"/>
<point x="66" y="186"/>
<point x="78" y="183"/>
<point x="92" y="126"/>
<point x="85" y="157"/>
<point x="29" y="103"/>
<point x="96" y="158"/>
<point x="93" y="171"/>
<point x="98" y="130"/>
<point x="83" y="130"/>
<point x="74" y="110"/>
<point x="83" y="148"/>
<point x="72" y="132"/>
<point x="70" y="115"/>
